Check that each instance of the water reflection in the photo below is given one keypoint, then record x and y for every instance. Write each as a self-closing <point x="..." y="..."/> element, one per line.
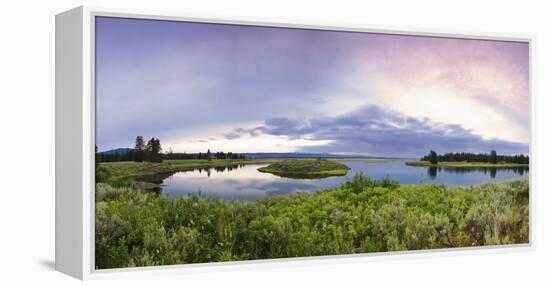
<point x="217" y="169"/>
<point x="245" y="182"/>
<point x="432" y="171"/>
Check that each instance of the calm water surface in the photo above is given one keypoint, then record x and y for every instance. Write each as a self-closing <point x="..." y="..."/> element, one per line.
<point x="247" y="183"/>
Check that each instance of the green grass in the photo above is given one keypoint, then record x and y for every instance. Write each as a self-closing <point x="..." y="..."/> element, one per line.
<point x="139" y="228"/>
<point x="140" y="169"/>
<point x="465" y="164"/>
<point x="306" y="168"/>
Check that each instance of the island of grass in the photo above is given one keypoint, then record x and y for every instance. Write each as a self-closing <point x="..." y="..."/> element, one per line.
<point x="465" y="164"/>
<point x="314" y="168"/>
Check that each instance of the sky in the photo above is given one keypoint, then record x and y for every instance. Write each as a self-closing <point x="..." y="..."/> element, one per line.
<point x="236" y="88"/>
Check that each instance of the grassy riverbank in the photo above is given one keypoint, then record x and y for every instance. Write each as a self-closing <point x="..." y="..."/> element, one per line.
<point x="316" y="168"/>
<point x="139" y="228"/>
<point x="465" y="164"/>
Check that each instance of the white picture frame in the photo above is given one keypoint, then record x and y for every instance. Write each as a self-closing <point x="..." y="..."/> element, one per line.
<point x="75" y="139"/>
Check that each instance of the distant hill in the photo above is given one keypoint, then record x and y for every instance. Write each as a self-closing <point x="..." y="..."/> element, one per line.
<point x="117" y="150"/>
<point x="302" y="155"/>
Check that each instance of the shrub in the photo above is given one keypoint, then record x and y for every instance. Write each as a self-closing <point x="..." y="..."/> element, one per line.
<point x="139" y="228"/>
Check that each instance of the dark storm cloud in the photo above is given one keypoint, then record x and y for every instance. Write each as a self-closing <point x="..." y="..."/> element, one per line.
<point x="232" y="135"/>
<point x="284" y="126"/>
<point x="376" y="131"/>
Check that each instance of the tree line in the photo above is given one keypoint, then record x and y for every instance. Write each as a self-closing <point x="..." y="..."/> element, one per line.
<point x="491" y="157"/>
<point x="152" y="152"/>
<point x="208" y="155"/>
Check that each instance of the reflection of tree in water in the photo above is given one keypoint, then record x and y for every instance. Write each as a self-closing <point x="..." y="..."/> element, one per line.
<point x="432" y="171"/>
<point x="217" y="169"/>
<point x="153" y="183"/>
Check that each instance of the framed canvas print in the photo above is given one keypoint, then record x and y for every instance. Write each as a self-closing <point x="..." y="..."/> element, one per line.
<point x="186" y="141"/>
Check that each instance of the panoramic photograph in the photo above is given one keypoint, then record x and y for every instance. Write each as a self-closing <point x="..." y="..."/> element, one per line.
<point x="225" y="142"/>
